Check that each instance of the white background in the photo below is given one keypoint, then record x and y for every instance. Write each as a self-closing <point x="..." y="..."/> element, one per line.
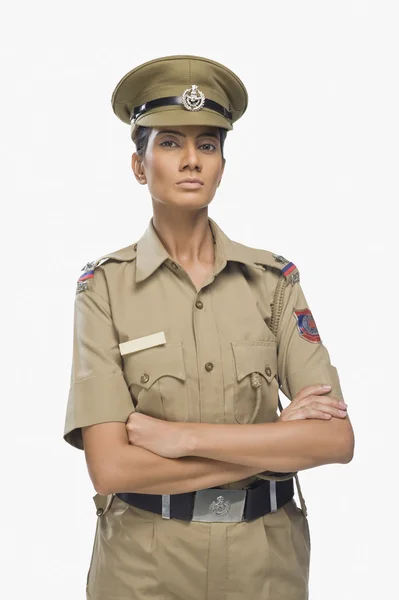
<point x="311" y="174"/>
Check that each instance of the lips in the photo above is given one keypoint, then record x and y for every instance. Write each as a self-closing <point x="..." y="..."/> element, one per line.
<point x="190" y="183"/>
<point x="190" y="180"/>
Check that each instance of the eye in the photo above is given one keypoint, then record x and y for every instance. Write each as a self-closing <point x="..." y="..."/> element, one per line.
<point x="167" y="143"/>
<point x="208" y="146"/>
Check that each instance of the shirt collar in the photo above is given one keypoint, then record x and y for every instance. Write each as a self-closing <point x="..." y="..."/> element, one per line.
<point x="151" y="253"/>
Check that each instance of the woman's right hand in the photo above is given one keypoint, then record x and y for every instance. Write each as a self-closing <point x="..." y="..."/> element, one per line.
<point x="310" y="404"/>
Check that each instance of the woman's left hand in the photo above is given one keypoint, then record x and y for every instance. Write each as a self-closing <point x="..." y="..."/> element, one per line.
<point x="165" y="438"/>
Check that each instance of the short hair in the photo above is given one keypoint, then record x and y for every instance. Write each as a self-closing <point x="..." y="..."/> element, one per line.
<point x="143" y="133"/>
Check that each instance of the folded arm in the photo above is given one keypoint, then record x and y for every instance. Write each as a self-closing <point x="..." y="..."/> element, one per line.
<point x="280" y="446"/>
<point x="115" y="466"/>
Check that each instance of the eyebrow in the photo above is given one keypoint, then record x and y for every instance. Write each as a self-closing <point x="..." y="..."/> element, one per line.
<point x="207" y="134"/>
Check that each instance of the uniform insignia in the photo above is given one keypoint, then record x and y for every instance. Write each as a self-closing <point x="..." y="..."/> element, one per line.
<point x="306" y="325"/>
<point x="89" y="265"/>
<point x="81" y="286"/>
<point x="121" y="255"/>
<point x="290" y="271"/>
<point x="295" y="278"/>
<point x="280" y="258"/>
<point x="88" y="273"/>
<point x="193" y="98"/>
<point x="220" y="507"/>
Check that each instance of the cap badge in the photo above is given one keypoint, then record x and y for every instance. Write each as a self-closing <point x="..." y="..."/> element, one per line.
<point x="193" y="98"/>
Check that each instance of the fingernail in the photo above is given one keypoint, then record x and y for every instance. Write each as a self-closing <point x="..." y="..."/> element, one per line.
<point x="341" y="403"/>
<point x="325" y="386"/>
<point x="342" y="412"/>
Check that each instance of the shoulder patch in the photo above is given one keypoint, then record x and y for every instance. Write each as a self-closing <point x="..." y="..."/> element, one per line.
<point x="286" y="268"/>
<point x="306" y="325"/>
<point x="122" y="255"/>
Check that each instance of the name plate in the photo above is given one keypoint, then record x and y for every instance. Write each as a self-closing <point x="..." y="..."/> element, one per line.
<point x="148" y="341"/>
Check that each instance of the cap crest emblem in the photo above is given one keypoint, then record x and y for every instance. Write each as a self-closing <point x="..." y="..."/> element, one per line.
<point x="193" y="98"/>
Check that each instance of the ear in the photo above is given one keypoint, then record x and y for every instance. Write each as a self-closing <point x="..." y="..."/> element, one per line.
<point x="138" y="169"/>
<point x="222" y="171"/>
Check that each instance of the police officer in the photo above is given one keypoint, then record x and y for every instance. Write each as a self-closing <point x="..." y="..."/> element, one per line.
<point x="184" y="328"/>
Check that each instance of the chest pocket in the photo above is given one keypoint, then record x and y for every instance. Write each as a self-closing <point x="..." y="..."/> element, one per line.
<point x="255" y="386"/>
<point x="157" y="381"/>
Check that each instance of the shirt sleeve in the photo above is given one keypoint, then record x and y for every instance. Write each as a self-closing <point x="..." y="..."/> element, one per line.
<point x="303" y="359"/>
<point x="98" y="392"/>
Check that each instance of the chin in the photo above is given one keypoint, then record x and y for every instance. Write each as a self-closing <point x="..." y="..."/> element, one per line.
<point x="195" y="204"/>
<point x="188" y="199"/>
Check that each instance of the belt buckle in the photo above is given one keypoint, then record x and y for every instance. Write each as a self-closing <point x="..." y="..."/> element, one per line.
<point x="217" y="505"/>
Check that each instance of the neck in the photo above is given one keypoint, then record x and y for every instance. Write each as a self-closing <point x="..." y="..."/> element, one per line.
<point x="187" y="236"/>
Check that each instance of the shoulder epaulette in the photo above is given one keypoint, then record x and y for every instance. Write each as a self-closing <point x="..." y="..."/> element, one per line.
<point x="276" y="261"/>
<point x="123" y="254"/>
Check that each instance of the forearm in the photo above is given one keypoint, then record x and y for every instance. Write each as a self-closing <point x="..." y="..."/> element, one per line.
<point x="141" y="471"/>
<point x="283" y="446"/>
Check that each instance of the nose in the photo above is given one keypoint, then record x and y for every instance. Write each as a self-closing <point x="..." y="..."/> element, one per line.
<point x="190" y="157"/>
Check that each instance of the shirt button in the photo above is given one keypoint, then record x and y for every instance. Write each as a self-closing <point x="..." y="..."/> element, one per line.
<point x="209" y="366"/>
<point x="99" y="512"/>
<point x="174" y="265"/>
<point x="144" y="378"/>
<point x="199" y="304"/>
<point x="268" y="371"/>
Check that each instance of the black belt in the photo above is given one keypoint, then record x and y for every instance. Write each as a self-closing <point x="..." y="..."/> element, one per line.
<point x="216" y="504"/>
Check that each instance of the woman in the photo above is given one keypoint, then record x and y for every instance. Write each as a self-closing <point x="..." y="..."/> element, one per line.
<point x="179" y="338"/>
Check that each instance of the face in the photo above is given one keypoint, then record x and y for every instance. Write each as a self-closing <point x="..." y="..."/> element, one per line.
<point x="176" y="154"/>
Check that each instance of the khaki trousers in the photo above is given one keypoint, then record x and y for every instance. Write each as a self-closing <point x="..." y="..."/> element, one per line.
<point x="138" y="555"/>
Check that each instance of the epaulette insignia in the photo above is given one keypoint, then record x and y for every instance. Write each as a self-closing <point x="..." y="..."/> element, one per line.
<point x="88" y="273"/>
<point x="123" y="254"/>
<point x="289" y="271"/>
<point x="89" y="265"/>
<point x="280" y="258"/>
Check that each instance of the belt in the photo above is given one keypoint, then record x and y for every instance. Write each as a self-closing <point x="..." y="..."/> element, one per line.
<point x="216" y="504"/>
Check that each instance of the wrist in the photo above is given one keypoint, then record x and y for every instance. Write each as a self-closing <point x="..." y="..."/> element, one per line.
<point x="190" y="439"/>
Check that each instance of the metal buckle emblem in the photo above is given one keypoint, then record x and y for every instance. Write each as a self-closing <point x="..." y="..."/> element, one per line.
<point x="193" y="98"/>
<point x="219" y="505"/>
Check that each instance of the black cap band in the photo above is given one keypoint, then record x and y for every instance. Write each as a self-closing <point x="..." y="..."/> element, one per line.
<point x="175" y="100"/>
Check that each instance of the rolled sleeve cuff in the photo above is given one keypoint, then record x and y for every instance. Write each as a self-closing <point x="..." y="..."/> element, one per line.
<point x="317" y="375"/>
<point x="93" y="400"/>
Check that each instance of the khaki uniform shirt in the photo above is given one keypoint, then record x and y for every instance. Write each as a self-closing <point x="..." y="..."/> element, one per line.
<point x="216" y="338"/>
<point x="225" y="356"/>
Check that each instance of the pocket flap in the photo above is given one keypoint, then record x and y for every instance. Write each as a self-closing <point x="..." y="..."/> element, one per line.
<point x="259" y="356"/>
<point x="146" y="366"/>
